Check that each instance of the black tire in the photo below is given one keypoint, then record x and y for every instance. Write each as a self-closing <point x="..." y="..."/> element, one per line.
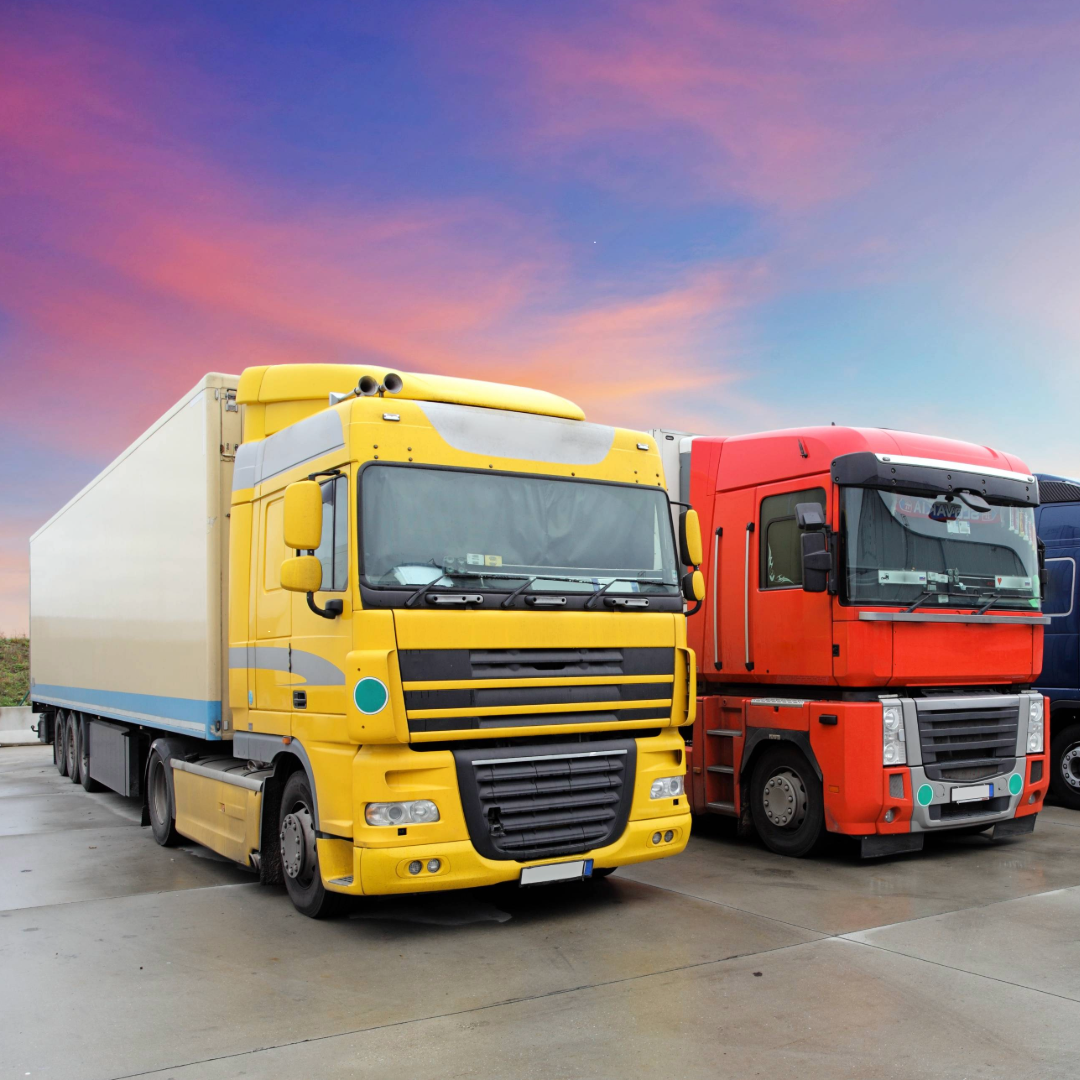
<point x="791" y="821"/>
<point x="84" y="757"/>
<point x="71" y="746"/>
<point x="300" y="853"/>
<point x="60" y="743"/>
<point x="1065" y="766"/>
<point x="159" y="801"/>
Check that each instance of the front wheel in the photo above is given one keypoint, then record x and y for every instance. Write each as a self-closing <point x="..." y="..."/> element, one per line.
<point x="299" y="852"/>
<point x="1065" y="767"/>
<point x="786" y="803"/>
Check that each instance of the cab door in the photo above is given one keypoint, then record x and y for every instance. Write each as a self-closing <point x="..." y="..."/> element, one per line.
<point x="269" y="666"/>
<point x="790" y="630"/>
<point x="320" y="645"/>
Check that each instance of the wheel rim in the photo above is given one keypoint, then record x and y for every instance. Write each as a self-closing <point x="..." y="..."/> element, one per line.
<point x="1070" y="766"/>
<point x="298" y="853"/>
<point x="784" y="799"/>
<point x="159" y="794"/>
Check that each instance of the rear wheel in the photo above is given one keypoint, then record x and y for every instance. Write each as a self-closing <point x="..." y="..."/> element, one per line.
<point x="786" y="802"/>
<point x="299" y="852"/>
<point x="160" y="801"/>
<point x="71" y="745"/>
<point x="1065" y="767"/>
<point x="60" y="743"/>
<point x="84" y="756"/>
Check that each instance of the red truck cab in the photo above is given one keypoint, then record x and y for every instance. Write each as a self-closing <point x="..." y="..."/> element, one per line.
<point x="868" y="638"/>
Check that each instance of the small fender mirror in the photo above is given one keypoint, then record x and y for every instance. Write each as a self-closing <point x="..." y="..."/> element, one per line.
<point x="690" y="538"/>
<point x="975" y="502"/>
<point x="816" y="561"/>
<point x="810" y="516"/>
<point x="303" y="516"/>
<point x="302" y="574"/>
<point x="693" y="586"/>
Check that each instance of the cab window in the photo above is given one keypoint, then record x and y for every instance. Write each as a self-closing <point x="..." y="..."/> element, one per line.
<point x="333" y="552"/>
<point x="781" y="551"/>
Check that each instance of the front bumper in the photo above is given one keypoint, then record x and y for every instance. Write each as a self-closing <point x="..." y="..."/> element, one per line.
<point x="383" y="871"/>
<point x="929" y="816"/>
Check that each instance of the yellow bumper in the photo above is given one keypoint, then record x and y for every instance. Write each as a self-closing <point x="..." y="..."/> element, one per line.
<point x="381" y="871"/>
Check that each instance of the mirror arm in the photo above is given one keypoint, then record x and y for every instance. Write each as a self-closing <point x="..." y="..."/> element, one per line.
<point x="332" y="610"/>
<point x="695" y="609"/>
<point x="325" y="472"/>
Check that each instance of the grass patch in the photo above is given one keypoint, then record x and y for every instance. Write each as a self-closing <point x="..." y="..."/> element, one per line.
<point x="14" y="669"/>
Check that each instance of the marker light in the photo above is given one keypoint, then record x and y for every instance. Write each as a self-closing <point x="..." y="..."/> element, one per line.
<point x="893" y="748"/>
<point x="669" y="787"/>
<point x="419" y="812"/>
<point x="1035" y="725"/>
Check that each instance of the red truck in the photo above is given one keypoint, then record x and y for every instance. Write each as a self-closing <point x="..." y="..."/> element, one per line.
<point x="870" y="630"/>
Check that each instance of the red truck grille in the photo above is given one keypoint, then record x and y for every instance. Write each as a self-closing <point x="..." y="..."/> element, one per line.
<point x="967" y="742"/>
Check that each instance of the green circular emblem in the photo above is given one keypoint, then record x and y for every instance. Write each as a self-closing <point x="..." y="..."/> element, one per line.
<point x="370" y="695"/>
<point x="925" y="795"/>
<point x="1016" y="783"/>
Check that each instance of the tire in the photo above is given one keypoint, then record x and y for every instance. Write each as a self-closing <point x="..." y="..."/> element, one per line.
<point x="71" y="746"/>
<point x="1065" y="766"/>
<point x="84" y="757"/>
<point x="299" y="852"/>
<point x="159" y="801"/>
<point x="786" y="803"/>
<point x="60" y="743"/>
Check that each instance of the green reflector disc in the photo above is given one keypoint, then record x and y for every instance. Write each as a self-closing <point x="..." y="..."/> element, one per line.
<point x="926" y="795"/>
<point x="370" y="695"/>
<point x="1016" y="783"/>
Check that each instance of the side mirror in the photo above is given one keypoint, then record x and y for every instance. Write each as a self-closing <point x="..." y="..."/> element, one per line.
<point x="693" y="586"/>
<point x="302" y="574"/>
<point x="816" y="561"/>
<point x="810" y="516"/>
<point x="690" y="538"/>
<point x="303" y="517"/>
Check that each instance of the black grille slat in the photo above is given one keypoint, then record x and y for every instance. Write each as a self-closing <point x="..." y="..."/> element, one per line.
<point x="437" y="665"/>
<point x="957" y="742"/>
<point x="533" y="807"/>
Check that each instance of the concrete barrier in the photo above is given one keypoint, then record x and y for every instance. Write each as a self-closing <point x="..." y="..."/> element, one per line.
<point x="15" y="724"/>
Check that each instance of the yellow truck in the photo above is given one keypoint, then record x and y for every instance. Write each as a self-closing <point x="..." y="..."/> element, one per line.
<point x="368" y="632"/>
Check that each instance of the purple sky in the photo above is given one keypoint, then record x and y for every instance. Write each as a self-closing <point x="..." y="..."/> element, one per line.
<point x="720" y="217"/>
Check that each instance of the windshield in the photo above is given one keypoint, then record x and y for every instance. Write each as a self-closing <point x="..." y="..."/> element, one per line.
<point x="934" y="550"/>
<point x="448" y="528"/>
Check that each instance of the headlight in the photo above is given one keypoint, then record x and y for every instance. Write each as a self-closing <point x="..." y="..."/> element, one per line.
<point x="670" y="787"/>
<point x="1035" y="725"/>
<point x="419" y="812"/>
<point x="894" y="748"/>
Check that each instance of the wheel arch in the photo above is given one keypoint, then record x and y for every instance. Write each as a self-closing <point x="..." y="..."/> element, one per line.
<point x="759" y="739"/>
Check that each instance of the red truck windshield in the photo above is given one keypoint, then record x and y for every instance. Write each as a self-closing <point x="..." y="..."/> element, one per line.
<point x="901" y="548"/>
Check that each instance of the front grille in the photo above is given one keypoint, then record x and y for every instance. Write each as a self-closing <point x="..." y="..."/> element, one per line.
<point x="613" y="702"/>
<point x="967" y="742"/>
<point x="952" y="811"/>
<point x="561" y="800"/>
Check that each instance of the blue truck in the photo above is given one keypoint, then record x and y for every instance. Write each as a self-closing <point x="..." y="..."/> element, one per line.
<point x="1057" y="523"/>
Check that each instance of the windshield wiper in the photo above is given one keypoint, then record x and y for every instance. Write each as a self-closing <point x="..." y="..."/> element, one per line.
<point x="990" y="602"/>
<point x="921" y="600"/>
<point x="639" y="581"/>
<point x="423" y="591"/>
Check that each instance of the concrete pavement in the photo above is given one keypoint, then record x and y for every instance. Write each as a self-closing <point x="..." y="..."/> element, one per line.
<point x="123" y="959"/>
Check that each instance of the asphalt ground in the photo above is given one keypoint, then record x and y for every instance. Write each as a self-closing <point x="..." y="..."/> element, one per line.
<point x="119" y="958"/>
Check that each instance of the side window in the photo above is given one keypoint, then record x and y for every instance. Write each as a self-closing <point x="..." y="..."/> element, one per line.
<point x="333" y="552"/>
<point x="781" y="550"/>
<point x="1061" y="575"/>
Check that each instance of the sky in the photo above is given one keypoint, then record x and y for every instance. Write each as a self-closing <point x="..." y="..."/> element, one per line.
<point x="719" y="217"/>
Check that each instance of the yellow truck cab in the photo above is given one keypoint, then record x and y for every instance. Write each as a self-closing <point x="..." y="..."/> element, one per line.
<point x="455" y="644"/>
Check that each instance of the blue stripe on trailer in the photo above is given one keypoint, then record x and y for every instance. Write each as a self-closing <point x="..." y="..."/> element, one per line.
<point x="188" y="716"/>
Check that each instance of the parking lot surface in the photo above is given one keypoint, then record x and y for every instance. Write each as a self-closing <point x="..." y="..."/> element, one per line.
<point x="123" y="959"/>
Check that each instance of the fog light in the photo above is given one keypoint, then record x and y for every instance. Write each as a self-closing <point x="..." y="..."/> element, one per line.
<point x="669" y="787"/>
<point x="1032" y="797"/>
<point x="656" y="838"/>
<point x="890" y="813"/>
<point x="433" y="866"/>
<point x="668" y="836"/>
<point x="415" y="866"/>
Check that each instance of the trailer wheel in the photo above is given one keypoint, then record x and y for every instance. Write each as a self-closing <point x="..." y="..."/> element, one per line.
<point x="71" y="745"/>
<point x="786" y="802"/>
<point x="84" y="756"/>
<point x="299" y="853"/>
<point x="59" y="748"/>
<point x="159" y="801"/>
<point x="1065" y="767"/>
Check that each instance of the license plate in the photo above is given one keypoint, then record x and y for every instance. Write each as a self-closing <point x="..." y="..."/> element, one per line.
<point x="560" y="871"/>
<point x="973" y="794"/>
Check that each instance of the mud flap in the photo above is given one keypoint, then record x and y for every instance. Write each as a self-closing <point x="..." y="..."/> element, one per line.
<point x="873" y="847"/>
<point x="1019" y="826"/>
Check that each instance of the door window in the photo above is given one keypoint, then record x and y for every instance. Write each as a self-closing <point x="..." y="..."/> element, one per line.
<point x="333" y="552"/>
<point x="781" y="550"/>
<point x="1060" y="574"/>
